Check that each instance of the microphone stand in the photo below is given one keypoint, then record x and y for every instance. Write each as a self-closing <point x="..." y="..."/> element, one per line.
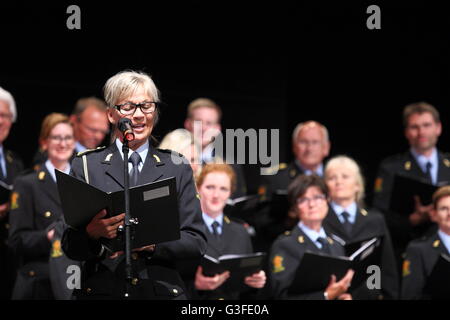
<point x="128" y="221"/>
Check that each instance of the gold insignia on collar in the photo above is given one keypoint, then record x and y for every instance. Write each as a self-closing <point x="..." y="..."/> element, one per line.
<point x="14" y="198"/>
<point x="292" y="173"/>
<point x="10" y="159"/>
<point x="198" y="196"/>
<point x="56" y="249"/>
<point x="277" y="264"/>
<point x="41" y="175"/>
<point x="301" y="239"/>
<point x="406" y="269"/>
<point x="436" y="243"/>
<point x="108" y="157"/>
<point x="364" y="212"/>
<point x="226" y="219"/>
<point x="447" y="163"/>
<point x="157" y="158"/>
<point x="330" y="241"/>
<point x="408" y="165"/>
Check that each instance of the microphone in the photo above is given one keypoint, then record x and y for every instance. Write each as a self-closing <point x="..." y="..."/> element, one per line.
<point x="126" y="129"/>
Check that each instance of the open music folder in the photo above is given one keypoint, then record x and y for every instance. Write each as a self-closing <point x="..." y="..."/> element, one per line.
<point x="315" y="269"/>
<point x="154" y="205"/>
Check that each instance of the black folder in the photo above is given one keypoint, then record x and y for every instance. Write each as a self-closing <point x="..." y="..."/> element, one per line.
<point x="5" y="192"/>
<point x="315" y="269"/>
<point x="240" y="207"/>
<point x="438" y="282"/>
<point x="154" y="205"/>
<point x="239" y="265"/>
<point x="405" y="188"/>
<point x="279" y="205"/>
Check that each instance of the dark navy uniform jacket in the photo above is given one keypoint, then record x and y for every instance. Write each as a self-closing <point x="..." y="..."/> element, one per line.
<point x="155" y="274"/>
<point x="285" y="256"/>
<point x="420" y="258"/>
<point x="368" y="224"/>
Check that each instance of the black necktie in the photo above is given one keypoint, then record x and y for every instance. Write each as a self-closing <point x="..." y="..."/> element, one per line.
<point x="428" y="172"/>
<point x="347" y="225"/>
<point x="135" y="159"/>
<point x="325" y="245"/>
<point x="215" y="226"/>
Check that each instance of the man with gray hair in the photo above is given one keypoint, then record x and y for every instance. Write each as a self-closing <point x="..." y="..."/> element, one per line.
<point x="310" y="145"/>
<point x="10" y="166"/>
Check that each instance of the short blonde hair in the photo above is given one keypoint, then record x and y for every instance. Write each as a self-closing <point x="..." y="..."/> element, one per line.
<point x="203" y="103"/>
<point x="177" y="140"/>
<point x="217" y="167"/>
<point x="347" y="162"/>
<point x="9" y="99"/>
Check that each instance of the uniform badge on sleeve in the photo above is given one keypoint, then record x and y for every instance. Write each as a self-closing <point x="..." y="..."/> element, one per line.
<point x="378" y="184"/>
<point x="14" y="200"/>
<point x="278" y="264"/>
<point x="406" y="270"/>
<point x="56" y="249"/>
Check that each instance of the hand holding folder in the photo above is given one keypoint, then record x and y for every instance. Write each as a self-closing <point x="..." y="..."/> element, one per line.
<point x="154" y="206"/>
<point x="405" y="189"/>
<point x="315" y="270"/>
<point x="239" y="266"/>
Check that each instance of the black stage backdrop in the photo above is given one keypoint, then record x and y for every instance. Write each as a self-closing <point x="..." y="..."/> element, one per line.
<point x="269" y="66"/>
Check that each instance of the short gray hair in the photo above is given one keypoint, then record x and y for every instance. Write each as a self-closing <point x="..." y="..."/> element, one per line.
<point x="309" y="124"/>
<point x="9" y="99"/>
<point x="125" y="83"/>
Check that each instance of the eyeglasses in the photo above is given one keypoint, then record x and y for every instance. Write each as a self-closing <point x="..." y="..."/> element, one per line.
<point x="129" y="108"/>
<point x="60" y="139"/>
<point x="305" y="200"/>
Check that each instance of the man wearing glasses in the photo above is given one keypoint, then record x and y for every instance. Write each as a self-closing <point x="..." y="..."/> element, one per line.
<point x="133" y="95"/>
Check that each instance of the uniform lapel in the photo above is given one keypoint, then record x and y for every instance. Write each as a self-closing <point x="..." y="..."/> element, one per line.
<point x="335" y="225"/>
<point x="444" y="169"/>
<point x="153" y="167"/>
<point x="113" y="164"/>
<point x="48" y="185"/>
<point x="413" y="167"/>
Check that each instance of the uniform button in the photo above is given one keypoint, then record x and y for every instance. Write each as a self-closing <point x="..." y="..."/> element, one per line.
<point x="47" y="214"/>
<point x="175" y="291"/>
<point x="31" y="273"/>
<point x="134" y="256"/>
<point x="88" y="290"/>
<point x="7" y="226"/>
<point x="134" y="281"/>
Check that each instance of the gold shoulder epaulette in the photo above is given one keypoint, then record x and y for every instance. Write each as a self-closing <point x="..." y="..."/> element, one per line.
<point x="81" y="153"/>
